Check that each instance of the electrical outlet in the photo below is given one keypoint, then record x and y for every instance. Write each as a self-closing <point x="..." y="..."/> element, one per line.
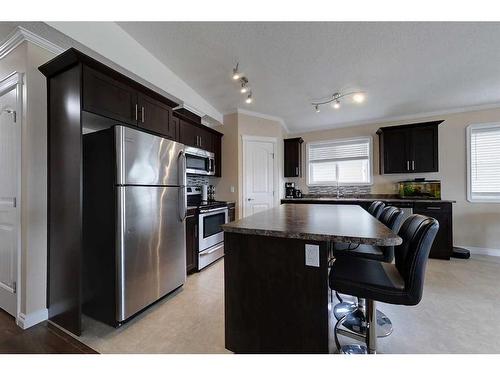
<point x="231" y="189"/>
<point x="312" y="255"/>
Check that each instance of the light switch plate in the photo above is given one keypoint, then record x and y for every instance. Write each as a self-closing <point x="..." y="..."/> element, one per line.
<point x="312" y="255"/>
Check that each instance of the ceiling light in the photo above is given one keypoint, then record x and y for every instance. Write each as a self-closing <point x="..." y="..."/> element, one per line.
<point x="244" y="88"/>
<point x="249" y="99"/>
<point x="359" y="97"/>
<point x="236" y="73"/>
<point x="335" y="99"/>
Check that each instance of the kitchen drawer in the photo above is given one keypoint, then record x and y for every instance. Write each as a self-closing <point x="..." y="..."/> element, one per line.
<point x="432" y="207"/>
<point x="210" y="255"/>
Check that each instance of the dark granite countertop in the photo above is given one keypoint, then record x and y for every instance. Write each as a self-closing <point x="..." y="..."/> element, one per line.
<point x="369" y="198"/>
<point x="317" y="222"/>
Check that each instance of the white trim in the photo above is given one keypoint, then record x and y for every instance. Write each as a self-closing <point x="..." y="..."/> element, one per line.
<point x="26" y="321"/>
<point x="245" y="138"/>
<point x="260" y="115"/>
<point x="468" y="132"/>
<point x="15" y="79"/>
<point x="482" y="250"/>
<point x="405" y="118"/>
<point x="19" y="35"/>
<point x="370" y="152"/>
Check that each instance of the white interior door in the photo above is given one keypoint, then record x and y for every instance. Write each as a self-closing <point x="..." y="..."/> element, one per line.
<point x="258" y="178"/>
<point x="9" y="210"/>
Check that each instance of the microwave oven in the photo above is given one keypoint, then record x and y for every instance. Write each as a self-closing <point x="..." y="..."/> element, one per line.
<point x="199" y="161"/>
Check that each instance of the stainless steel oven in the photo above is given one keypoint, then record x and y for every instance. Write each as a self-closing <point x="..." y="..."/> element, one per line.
<point x="199" y="161"/>
<point x="210" y="235"/>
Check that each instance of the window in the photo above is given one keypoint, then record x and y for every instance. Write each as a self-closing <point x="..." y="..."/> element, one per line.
<point x="483" y="163"/>
<point x="346" y="161"/>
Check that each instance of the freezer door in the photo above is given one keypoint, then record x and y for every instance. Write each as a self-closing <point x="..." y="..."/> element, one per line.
<point x="145" y="159"/>
<point x="151" y="256"/>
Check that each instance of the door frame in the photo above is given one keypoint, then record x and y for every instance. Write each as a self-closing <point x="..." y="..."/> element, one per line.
<point x="274" y="141"/>
<point x="15" y="79"/>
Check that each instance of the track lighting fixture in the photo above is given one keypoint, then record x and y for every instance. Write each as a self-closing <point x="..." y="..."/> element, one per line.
<point x="236" y="73"/>
<point x="244" y="88"/>
<point x="357" y="97"/>
<point x="249" y="98"/>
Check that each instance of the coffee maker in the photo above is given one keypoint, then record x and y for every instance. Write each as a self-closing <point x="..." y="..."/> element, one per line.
<point x="289" y="189"/>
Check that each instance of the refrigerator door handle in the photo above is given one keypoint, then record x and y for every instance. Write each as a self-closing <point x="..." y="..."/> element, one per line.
<point x="182" y="188"/>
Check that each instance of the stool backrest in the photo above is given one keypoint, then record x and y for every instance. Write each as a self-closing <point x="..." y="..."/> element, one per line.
<point x="418" y="233"/>
<point x="392" y="217"/>
<point x="376" y="208"/>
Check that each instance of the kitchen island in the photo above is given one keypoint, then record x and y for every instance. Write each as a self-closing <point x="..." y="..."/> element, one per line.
<point x="276" y="274"/>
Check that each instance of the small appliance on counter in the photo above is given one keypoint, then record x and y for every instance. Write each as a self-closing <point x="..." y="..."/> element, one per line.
<point x="289" y="189"/>
<point x="298" y="193"/>
<point x="420" y="188"/>
<point x="211" y="193"/>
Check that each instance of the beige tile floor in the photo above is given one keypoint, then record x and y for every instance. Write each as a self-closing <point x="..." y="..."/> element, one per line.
<point x="458" y="314"/>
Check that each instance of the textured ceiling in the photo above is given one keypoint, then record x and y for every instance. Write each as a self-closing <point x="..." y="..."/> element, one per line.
<point x="405" y="68"/>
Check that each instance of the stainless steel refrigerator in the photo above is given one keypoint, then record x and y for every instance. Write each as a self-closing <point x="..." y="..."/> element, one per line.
<point x="134" y="230"/>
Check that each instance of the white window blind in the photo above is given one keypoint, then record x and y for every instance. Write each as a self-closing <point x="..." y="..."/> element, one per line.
<point x="484" y="162"/>
<point x="343" y="161"/>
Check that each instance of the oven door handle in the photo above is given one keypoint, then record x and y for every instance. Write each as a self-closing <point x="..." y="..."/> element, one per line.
<point x="213" y="210"/>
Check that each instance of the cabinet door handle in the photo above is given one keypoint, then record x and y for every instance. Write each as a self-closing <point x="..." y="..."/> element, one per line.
<point x="433" y="208"/>
<point x="136" y="112"/>
<point x="413" y="165"/>
<point x="407" y="165"/>
<point x="142" y="114"/>
<point x="196" y="231"/>
<point x="297" y="171"/>
<point x="200" y="141"/>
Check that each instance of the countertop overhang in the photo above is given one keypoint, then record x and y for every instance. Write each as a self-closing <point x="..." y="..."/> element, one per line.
<point x="317" y="222"/>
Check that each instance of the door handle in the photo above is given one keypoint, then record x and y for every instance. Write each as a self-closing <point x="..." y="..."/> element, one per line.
<point x="136" y="109"/>
<point x="413" y="165"/>
<point x="407" y="165"/>
<point x="250" y="199"/>
<point x="142" y="114"/>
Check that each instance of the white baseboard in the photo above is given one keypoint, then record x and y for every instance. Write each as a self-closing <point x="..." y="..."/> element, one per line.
<point x="26" y="321"/>
<point x="482" y="251"/>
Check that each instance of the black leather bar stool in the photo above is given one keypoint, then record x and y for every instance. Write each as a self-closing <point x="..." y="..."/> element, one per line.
<point x="392" y="218"/>
<point x="401" y="283"/>
<point x="376" y="208"/>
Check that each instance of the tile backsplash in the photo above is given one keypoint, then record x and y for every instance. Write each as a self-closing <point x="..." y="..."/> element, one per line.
<point x="344" y="190"/>
<point x="197" y="180"/>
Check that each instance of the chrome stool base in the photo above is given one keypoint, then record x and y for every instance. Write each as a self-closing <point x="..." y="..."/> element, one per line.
<point x="344" y="308"/>
<point x="356" y="322"/>
<point x="353" y="349"/>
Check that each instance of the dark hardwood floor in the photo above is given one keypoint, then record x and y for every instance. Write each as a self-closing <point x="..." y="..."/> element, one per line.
<point x="44" y="338"/>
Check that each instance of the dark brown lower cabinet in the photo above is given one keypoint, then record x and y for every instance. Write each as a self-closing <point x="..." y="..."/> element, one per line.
<point x="442" y="212"/>
<point x="191" y="243"/>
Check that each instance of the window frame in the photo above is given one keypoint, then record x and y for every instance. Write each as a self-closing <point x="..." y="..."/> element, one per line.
<point x="341" y="140"/>
<point x="468" y="141"/>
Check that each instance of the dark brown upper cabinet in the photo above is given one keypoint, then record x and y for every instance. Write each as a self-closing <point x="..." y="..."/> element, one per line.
<point x="192" y="133"/>
<point x="155" y="116"/>
<point x="195" y="136"/>
<point x="293" y="157"/>
<point x="409" y="148"/>
<point x="108" y="97"/>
